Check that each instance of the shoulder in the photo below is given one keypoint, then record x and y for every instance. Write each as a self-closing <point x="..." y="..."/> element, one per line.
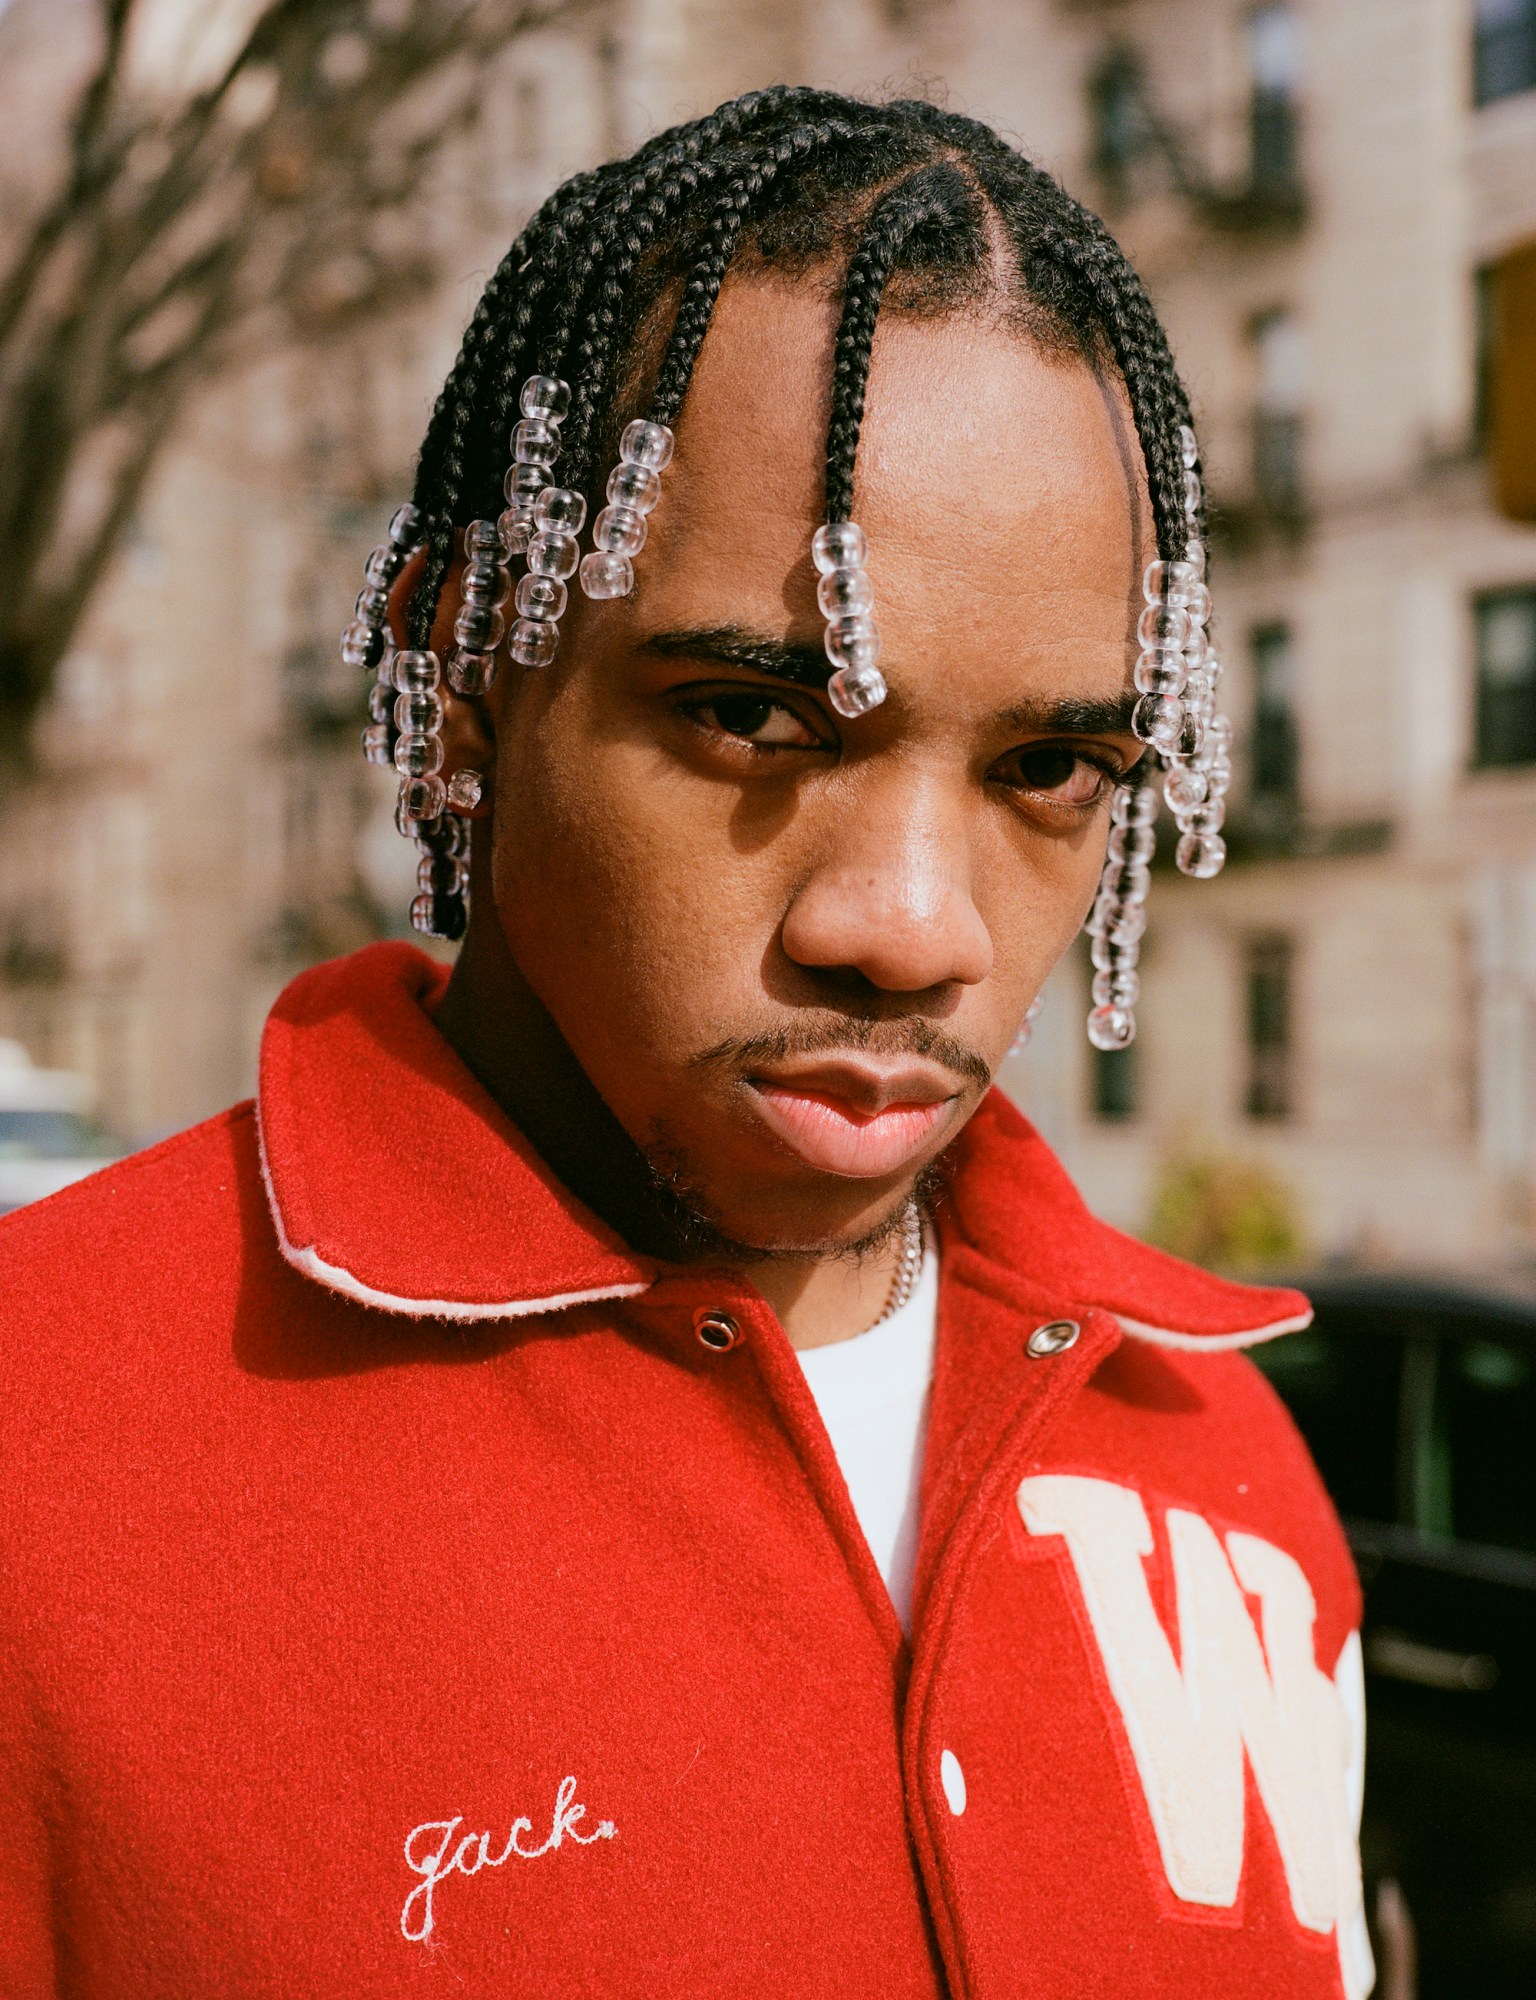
<point x="133" y="1252"/>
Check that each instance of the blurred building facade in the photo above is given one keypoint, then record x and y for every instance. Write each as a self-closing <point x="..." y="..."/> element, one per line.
<point x="1329" y="199"/>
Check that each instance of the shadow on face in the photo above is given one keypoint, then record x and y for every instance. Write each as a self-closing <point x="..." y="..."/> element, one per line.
<point x="788" y="950"/>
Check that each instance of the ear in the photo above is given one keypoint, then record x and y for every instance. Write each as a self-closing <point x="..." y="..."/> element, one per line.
<point x="468" y="741"/>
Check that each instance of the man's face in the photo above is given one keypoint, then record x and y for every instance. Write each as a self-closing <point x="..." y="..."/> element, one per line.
<point x="789" y="950"/>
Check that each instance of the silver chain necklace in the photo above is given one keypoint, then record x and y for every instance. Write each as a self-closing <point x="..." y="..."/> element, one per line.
<point x="909" y="1266"/>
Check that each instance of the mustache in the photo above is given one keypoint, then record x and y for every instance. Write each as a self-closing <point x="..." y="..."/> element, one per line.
<point x="836" y="1034"/>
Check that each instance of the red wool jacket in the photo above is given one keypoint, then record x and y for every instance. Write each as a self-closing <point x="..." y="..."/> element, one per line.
<point x="406" y="1589"/>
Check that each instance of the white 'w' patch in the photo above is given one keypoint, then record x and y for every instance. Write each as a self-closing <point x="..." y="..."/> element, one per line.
<point x="1232" y="1689"/>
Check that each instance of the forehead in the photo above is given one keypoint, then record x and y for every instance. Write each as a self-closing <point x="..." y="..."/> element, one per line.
<point x="1000" y="485"/>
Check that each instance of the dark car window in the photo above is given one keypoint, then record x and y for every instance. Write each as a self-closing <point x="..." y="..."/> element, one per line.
<point x="1481" y="1471"/>
<point x="1340" y="1380"/>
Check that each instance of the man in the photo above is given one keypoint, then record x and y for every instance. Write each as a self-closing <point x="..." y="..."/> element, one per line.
<point x="631" y="1470"/>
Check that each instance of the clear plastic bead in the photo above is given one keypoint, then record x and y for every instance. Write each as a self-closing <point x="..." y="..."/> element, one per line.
<point x="852" y="641"/>
<point x="646" y="444"/>
<point x="376" y="743"/>
<point x="471" y="673"/>
<point x="1191" y="734"/>
<point x="362" y="645"/>
<point x="1196" y="647"/>
<point x="553" y="555"/>
<point x="1189" y="449"/>
<point x="533" y="644"/>
<point x="524" y="484"/>
<point x="1184" y="788"/>
<point x="465" y="789"/>
<point x="372" y="605"/>
<point x="423" y="911"/>
<point x="1192" y="496"/>
<point x="559" y="511"/>
<point x="1198" y="604"/>
<point x="1111" y="1028"/>
<point x="481" y="542"/>
<point x="416" y="672"/>
<point x="441" y="874"/>
<point x="853" y="691"/>
<point x="418" y="714"/>
<point x="486" y="582"/>
<point x="382" y="567"/>
<point x="516" y="526"/>
<point x="1127" y="926"/>
<point x="1158" y="719"/>
<point x="605" y="574"/>
<point x="1221" y="732"/>
<point x="405" y="526"/>
<point x="621" y="530"/>
<point x="1132" y="843"/>
<point x="1163" y="625"/>
<point x="1100" y="950"/>
<point x="1141" y="809"/>
<point x="634" y="486"/>
<point x="1115" y="987"/>
<point x="381" y="701"/>
<point x="1207" y="818"/>
<point x="421" y="798"/>
<point x="443" y="835"/>
<point x="839" y="591"/>
<point x="1201" y="855"/>
<point x="541" y="597"/>
<point x="1160" y="673"/>
<point x="418" y="756"/>
<point x="1135" y="881"/>
<point x="838" y="545"/>
<point x="535" y="442"/>
<point x="545" y="396"/>
<point x="478" y="628"/>
<point x="1194" y="555"/>
<point x="1169" y="583"/>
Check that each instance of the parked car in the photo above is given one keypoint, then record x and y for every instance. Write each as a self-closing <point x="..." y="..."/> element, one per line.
<point x="47" y="1138"/>
<point x="1417" y="1396"/>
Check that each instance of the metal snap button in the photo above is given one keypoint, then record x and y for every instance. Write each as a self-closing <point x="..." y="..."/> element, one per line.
<point x="717" y="1330"/>
<point x="1053" y="1338"/>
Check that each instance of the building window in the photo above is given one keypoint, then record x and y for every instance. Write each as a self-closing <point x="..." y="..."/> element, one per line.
<point x="1504" y="49"/>
<point x="1275" y="778"/>
<point x="1279" y="397"/>
<point x="1115" y="1093"/>
<point x="1506" y="677"/>
<point x="1269" y="1027"/>
<point x="1274" y="64"/>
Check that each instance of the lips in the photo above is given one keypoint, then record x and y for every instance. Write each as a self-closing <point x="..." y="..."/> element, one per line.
<point x="856" y="1122"/>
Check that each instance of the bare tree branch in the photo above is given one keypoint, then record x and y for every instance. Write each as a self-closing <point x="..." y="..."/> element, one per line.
<point x="178" y="224"/>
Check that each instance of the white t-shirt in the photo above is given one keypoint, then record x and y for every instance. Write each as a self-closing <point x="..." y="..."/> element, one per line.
<point x="872" y="1392"/>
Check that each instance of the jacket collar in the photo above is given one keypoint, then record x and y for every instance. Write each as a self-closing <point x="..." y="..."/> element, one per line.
<point x="394" y="1179"/>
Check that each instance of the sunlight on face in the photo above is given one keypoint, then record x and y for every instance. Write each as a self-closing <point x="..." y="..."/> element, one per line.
<point x="708" y="877"/>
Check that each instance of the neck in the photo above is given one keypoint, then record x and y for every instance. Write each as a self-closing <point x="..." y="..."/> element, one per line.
<point x="506" y="1038"/>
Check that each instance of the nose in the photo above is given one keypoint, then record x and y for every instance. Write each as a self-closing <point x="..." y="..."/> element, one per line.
<point x="889" y="895"/>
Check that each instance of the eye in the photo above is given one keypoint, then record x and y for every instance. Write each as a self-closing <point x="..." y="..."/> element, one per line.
<point x="757" y="719"/>
<point x="1059" y="772"/>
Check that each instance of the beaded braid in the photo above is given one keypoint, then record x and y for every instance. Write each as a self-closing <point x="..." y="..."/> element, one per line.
<point x="802" y="173"/>
<point x="936" y="194"/>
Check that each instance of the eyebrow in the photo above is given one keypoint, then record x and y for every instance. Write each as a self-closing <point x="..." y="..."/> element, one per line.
<point x="807" y="666"/>
<point x="734" y="646"/>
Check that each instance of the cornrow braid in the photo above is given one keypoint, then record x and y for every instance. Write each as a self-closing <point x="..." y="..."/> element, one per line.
<point x="569" y="328"/>
<point x="936" y="194"/>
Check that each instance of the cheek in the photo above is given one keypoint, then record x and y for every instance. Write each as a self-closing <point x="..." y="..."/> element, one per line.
<point x="618" y="897"/>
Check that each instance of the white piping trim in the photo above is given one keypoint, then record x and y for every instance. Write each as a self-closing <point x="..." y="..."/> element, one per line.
<point x="1205" y="1343"/>
<point x="336" y="1277"/>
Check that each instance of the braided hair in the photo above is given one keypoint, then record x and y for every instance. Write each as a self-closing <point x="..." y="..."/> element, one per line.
<point x="612" y="287"/>
<point x="789" y="178"/>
